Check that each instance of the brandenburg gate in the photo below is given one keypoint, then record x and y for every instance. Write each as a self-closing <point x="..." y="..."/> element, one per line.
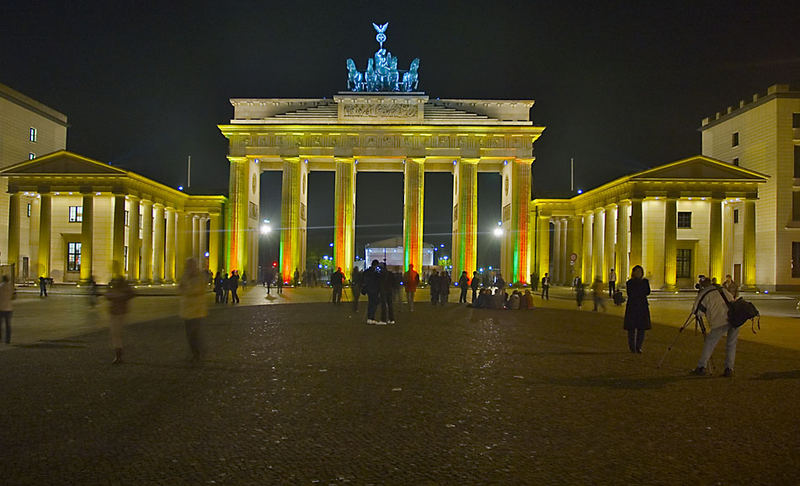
<point x="382" y="123"/>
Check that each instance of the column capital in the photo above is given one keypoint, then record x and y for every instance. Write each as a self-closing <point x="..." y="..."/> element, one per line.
<point x="524" y="160"/>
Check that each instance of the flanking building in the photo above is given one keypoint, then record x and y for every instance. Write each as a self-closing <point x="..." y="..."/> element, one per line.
<point x="763" y="134"/>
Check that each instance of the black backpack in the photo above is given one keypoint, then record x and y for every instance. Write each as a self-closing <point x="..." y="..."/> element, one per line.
<point x="741" y="311"/>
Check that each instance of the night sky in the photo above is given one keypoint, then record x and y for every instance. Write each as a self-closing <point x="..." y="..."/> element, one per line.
<point x="619" y="87"/>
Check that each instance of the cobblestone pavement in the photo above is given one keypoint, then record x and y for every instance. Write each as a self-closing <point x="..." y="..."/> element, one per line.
<point x="309" y="394"/>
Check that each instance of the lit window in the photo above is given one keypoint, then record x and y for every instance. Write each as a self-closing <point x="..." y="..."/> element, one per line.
<point x="29" y="210"/>
<point x="75" y="214"/>
<point x="31" y="155"/>
<point x="33" y="135"/>
<point x="73" y="257"/>
<point x="684" y="219"/>
<point x="736" y="161"/>
<point x="735" y="216"/>
<point x="684" y="261"/>
<point x="735" y="139"/>
<point x="127" y="215"/>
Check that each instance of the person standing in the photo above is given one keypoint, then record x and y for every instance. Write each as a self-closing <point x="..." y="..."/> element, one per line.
<point x="637" y="309"/>
<point x="433" y="284"/>
<point x="244" y="279"/>
<point x="728" y="284"/>
<point x="444" y="287"/>
<point x="475" y="285"/>
<point x="463" y="284"/>
<point x="226" y="287"/>
<point x="6" y="296"/>
<point x="371" y="287"/>
<point x="597" y="294"/>
<point x="279" y="283"/>
<point x="410" y="282"/>
<point x="193" y="308"/>
<point x="269" y="276"/>
<point x="42" y="287"/>
<point x="218" y="292"/>
<point x="612" y="283"/>
<point x="118" y="294"/>
<point x="355" y="283"/>
<point x="711" y="302"/>
<point x="387" y="282"/>
<point x="337" y="282"/>
<point x="233" y="283"/>
<point x="546" y="287"/>
<point x="580" y="292"/>
<point x="296" y="277"/>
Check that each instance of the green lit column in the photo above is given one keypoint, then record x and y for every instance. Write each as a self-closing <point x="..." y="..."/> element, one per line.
<point x="413" y="201"/>
<point x="344" y="226"/>
<point x="670" y="242"/>
<point x="465" y="217"/>
<point x="516" y="200"/>
<point x="293" y="216"/>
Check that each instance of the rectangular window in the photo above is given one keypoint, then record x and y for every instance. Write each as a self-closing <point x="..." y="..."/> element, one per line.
<point x="33" y="135"/>
<point x="796" y="206"/>
<point x="735" y="139"/>
<point x="126" y="217"/>
<point x="797" y="160"/>
<point x="796" y="259"/>
<point x="31" y="155"/>
<point x="795" y="120"/>
<point x="736" y="161"/>
<point x="75" y="214"/>
<point x="29" y="210"/>
<point x="684" y="219"/>
<point x="735" y="216"/>
<point x="125" y="256"/>
<point x="73" y="257"/>
<point x="684" y="269"/>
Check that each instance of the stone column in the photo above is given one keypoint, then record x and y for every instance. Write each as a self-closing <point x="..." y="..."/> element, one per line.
<point x="133" y="238"/>
<point x="118" y="236"/>
<point x="214" y="242"/>
<point x="183" y="240"/>
<point x="87" y="235"/>
<point x="465" y="217"/>
<point x="45" y="217"/>
<point x="543" y="230"/>
<point x="203" y="261"/>
<point x="147" y="241"/>
<point x="413" y="205"/>
<point x="173" y="265"/>
<point x="14" y="231"/>
<point x="609" y="234"/>
<point x="195" y="237"/>
<point x="158" y="243"/>
<point x="574" y="243"/>
<point x="636" y="232"/>
<point x="557" y="256"/>
<point x="293" y="218"/>
<point x="516" y="199"/>
<point x="344" y="216"/>
<point x="715" y="254"/>
<point x="670" y="242"/>
<point x="586" y="258"/>
<point x="598" y="247"/>
<point x="622" y="242"/>
<point x="749" y="245"/>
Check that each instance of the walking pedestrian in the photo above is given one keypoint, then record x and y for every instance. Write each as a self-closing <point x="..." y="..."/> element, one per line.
<point x="244" y="279"/>
<point x="637" y="310"/>
<point x="296" y="277"/>
<point x="612" y="283"/>
<point x="226" y="287"/>
<point x="410" y="282"/>
<point x="118" y="294"/>
<point x="233" y="283"/>
<point x="94" y="293"/>
<point x="355" y="283"/>
<point x="711" y="302"/>
<point x="463" y="284"/>
<point x="6" y="296"/>
<point x="269" y="276"/>
<point x="193" y="306"/>
<point x="279" y="283"/>
<point x="580" y="292"/>
<point x="597" y="294"/>
<point x="546" y="287"/>
<point x="371" y="287"/>
<point x="433" y="285"/>
<point x="337" y="282"/>
<point x="475" y="285"/>
<point x="42" y="286"/>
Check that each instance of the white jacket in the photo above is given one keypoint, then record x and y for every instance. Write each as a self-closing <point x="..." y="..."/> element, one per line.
<point x="716" y="310"/>
<point x="6" y="295"/>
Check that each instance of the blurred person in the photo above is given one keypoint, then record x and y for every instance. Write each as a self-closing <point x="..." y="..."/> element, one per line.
<point x="711" y="303"/>
<point x="226" y="287"/>
<point x="296" y="277"/>
<point x="527" y="300"/>
<point x="337" y="282"/>
<point x="388" y="283"/>
<point x="7" y="294"/>
<point x="42" y="286"/>
<point x="269" y="277"/>
<point x="244" y="279"/>
<point x="597" y="294"/>
<point x="637" y="309"/>
<point x="94" y="292"/>
<point x="233" y="283"/>
<point x="728" y="284"/>
<point x="475" y="284"/>
<point x="219" y="293"/>
<point x="444" y="287"/>
<point x="433" y="284"/>
<point x="546" y="287"/>
<point x="279" y="283"/>
<point x="612" y="282"/>
<point x="355" y="284"/>
<point x="119" y="293"/>
<point x="580" y="292"/>
<point x="463" y="284"/>
<point x="410" y="282"/>
<point x="193" y="307"/>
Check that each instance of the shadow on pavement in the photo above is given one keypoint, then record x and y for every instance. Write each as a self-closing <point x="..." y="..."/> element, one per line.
<point x="779" y="375"/>
<point x="616" y="382"/>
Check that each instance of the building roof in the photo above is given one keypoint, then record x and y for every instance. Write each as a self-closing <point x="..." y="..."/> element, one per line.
<point x="773" y="92"/>
<point x="31" y="104"/>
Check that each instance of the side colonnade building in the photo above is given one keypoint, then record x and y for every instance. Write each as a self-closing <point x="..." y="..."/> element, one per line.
<point x="71" y="218"/>
<point x="690" y="217"/>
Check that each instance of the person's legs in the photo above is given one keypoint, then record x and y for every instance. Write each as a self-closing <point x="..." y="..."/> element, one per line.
<point x="410" y="298"/>
<point x="632" y="340"/>
<point x="710" y="342"/>
<point x="193" y="337"/>
<point x="730" y="347"/>
<point x="356" y="296"/>
<point x="390" y="308"/>
<point x="474" y="295"/>
<point x="639" y="340"/>
<point x="5" y="319"/>
<point x="116" y="322"/>
<point x="372" y="305"/>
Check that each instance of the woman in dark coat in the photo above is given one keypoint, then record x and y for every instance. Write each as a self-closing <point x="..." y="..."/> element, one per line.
<point x="637" y="311"/>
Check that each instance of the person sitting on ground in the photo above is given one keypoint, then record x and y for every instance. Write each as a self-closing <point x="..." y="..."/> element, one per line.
<point x="527" y="300"/>
<point x="513" y="301"/>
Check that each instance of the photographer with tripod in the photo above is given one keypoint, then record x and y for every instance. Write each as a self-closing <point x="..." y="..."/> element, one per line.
<point x="711" y="302"/>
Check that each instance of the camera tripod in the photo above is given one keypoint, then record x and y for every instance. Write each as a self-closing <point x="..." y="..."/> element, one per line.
<point x="698" y="322"/>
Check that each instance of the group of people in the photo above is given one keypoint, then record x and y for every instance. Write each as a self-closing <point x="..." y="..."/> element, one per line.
<point x="500" y="299"/>
<point x="226" y="286"/>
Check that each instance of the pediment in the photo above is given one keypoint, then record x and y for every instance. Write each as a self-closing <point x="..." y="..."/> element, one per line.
<point x="699" y="168"/>
<point x="62" y="162"/>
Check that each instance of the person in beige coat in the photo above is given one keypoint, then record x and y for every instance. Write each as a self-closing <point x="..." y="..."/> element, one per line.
<point x="193" y="306"/>
<point x="6" y="296"/>
<point x="118" y="294"/>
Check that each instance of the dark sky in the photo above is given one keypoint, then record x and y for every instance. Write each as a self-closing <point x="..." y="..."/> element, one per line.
<point x="620" y="87"/>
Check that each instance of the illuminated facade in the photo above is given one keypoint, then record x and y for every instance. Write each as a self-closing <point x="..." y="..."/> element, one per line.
<point x="763" y="134"/>
<point x="83" y="215"/>
<point x="690" y="217"/>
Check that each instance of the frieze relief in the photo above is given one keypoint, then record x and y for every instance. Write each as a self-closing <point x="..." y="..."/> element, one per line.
<point x="380" y="110"/>
<point x="378" y="140"/>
